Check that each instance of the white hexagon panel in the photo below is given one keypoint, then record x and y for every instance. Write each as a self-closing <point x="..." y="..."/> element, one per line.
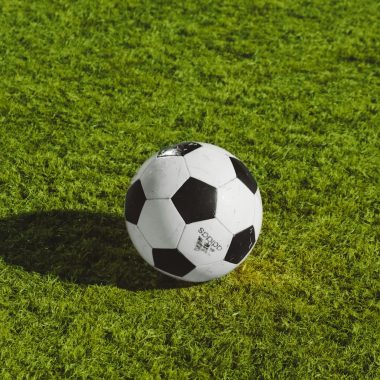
<point x="145" y="164"/>
<point x="218" y="148"/>
<point x="205" y="242"/>
<point x="210" y="165"/>
<point x="207" y="272"/>
<point x="258" y="213"/>
<point x="236" y="206"/>
<point x="140" y="243"/>
<point x="160" y="223"/>
<point x="164" y="176"/>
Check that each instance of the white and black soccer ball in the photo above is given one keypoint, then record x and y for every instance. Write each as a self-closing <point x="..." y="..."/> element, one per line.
<point x="193" y="211"/>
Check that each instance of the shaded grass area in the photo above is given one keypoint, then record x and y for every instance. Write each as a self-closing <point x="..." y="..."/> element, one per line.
<point x="89" y="90"/>
<point x="80" y="247"/>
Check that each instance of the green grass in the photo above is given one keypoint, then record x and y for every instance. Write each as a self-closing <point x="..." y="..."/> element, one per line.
<point x="90" y="89"/>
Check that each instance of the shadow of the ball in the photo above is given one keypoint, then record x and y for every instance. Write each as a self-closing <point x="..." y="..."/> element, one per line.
<point x="79" y="247"/>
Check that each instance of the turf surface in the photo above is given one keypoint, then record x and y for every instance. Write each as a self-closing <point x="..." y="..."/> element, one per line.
<point x="90" y="89"/>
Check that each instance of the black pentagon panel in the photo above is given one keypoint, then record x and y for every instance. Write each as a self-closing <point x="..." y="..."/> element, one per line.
<point x="195" y="200"/>
<point x="179" y="149"/>
<point x="244" y="174"/>
<point x="240" y="246"/>
<point x="172" y="261"/>
<point x="134" y="202"/>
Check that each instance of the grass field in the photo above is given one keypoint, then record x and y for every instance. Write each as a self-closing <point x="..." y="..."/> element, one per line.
<point x="90" y="89"/>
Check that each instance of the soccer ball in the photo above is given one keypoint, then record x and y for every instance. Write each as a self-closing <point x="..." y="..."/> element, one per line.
<point x="193" y="211"/>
